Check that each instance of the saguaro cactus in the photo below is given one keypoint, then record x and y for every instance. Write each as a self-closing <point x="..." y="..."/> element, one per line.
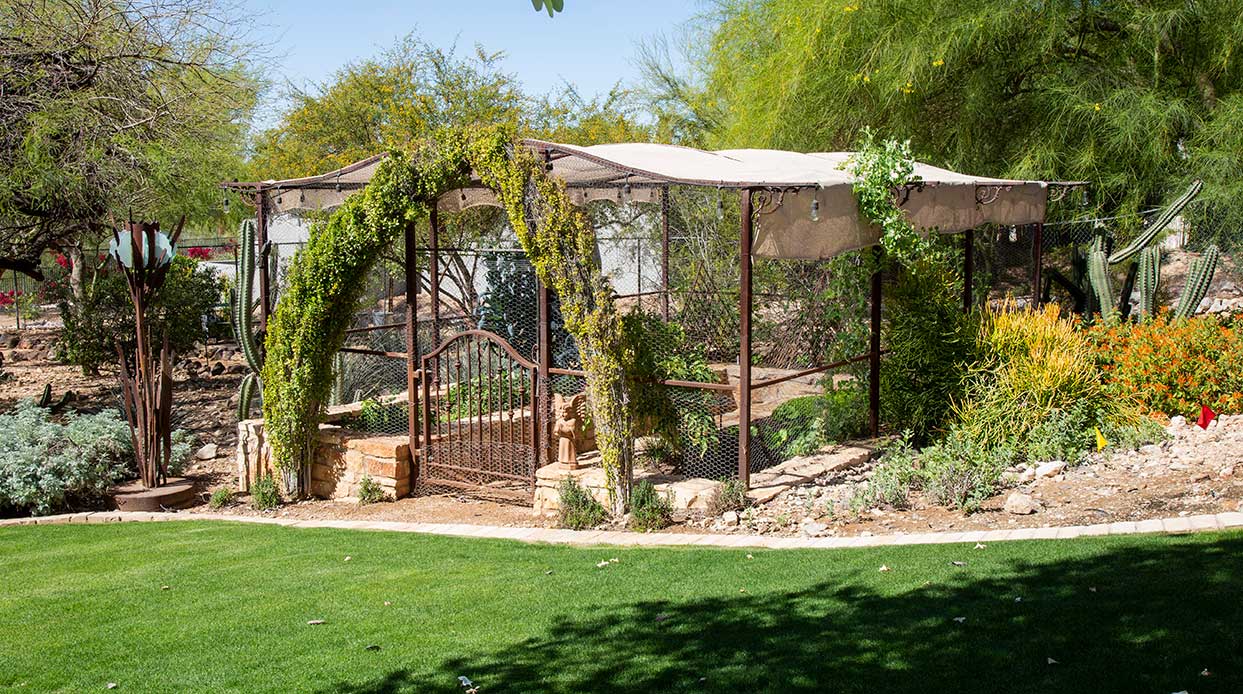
<point x="243" y="321"/>
<point x="1198" y="279"/>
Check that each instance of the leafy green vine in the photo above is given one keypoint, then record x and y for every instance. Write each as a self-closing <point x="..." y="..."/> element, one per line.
<point x="880" y="168"/>
<point x="325" y="282"/>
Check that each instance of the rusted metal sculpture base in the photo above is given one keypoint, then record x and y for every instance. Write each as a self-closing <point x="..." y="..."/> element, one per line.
<point x="132" y="496"/>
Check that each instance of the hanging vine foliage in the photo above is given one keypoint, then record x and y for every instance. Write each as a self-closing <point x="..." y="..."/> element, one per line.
<point x="326" y="281"/>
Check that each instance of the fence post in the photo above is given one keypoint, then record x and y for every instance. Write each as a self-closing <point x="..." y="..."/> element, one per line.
<point x="664" y="253"/>
<point x="1037" y="261"/>
<point x="968" y="269"/>
<point x="261" y="238"/>
<point x="433" y="269"/>
<point x="543" y="386"/>
<point x="413" y="378"/>
<point x="744" y="352"/>
<point x="874" y="347"/>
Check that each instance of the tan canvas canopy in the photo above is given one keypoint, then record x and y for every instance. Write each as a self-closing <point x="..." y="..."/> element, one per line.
<point x="786" y="227"/>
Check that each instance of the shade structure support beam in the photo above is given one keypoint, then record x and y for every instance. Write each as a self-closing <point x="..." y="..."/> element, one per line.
<point x="1037" y="261"/>
<point x="543" y="389"/>
<point x="968" y="269"/>
<point x="874" y="346"/>
<point x="744" y="351"/>
<point x="433" y="270"/>
<point x="664" y="254"/>
<point x="413" y="377"/>
<point x="263" y="252"/>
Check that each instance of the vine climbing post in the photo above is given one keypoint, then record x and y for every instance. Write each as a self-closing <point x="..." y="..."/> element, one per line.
<point x="744" y="350"/>
<point x="412" y="347"/>
<point x="433" y="269"/>
<point x="544" y="360"/>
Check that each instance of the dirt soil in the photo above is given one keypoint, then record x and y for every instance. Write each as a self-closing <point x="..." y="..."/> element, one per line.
<point x="1195" y="471"/>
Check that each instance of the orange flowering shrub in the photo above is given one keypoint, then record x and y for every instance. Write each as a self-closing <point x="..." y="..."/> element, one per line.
<point x="1171" y="366"/>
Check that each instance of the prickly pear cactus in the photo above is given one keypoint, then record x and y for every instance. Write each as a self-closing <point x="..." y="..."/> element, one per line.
<point x="1199" y="277"/>
<point x="1147" y="281"/>
<point x="243" y="311"/>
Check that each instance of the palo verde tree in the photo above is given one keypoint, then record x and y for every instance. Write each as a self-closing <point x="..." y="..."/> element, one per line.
<point x="325" y="283"/>
<point x="111" y="105"/>
<point x="1137" y="96"/>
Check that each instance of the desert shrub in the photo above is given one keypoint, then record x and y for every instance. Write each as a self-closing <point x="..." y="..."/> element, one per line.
<point x="961" y="473"/>
<point x="370" y="491"/>
<point x="264" y="494"/>
<point x="1171" y="366"/>
<point x="954" y="472"/>
<point x="649" y="510"/>
<point x="221" y="497"/>
<point x="729" y="495"/>
<point x="579" y="510"/>
<point x="47" y="466"/>
<point x="930" y="342"/>
<point x="104" y="315"/>
<point x="894" y="477"/>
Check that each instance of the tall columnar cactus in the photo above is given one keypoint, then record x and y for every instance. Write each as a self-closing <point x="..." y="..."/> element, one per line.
<point x="1198" y="279"/>
<point x="1147" y="280"/>
<point x="243" y="312"/>
<point x="1098" y="275"/>
<point x="1160" y="223"/>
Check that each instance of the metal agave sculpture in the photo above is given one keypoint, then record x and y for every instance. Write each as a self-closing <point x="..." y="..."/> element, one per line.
<point x="243" y="318"/>
<point x="145" y="254"/>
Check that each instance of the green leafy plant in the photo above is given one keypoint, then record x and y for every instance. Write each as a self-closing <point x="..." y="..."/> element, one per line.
<point x="48" y="466"/>
<point x="510" y="308"/>
<point x="578" y="509"/>
<point x="881" y="169"/>
<point x="729" y="495"/>
<point x="264" y="494"/>
<point x="225" y="496"/>
<point x="649" y="510"/>
<point x="370" y="491"/>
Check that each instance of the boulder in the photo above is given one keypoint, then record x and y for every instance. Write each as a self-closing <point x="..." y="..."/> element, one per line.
<point x="1021" y="504"/>
<point x="207" y="452"/>
<point x="730" y="518"/>
<point x="1050" y="468"/>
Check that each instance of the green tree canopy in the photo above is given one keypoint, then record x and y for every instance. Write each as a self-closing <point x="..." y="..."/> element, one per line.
<point x="108" y="106"/>
<point x="1133" y="95"/>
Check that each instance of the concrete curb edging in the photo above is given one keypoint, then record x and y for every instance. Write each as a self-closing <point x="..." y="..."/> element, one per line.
<point x="1186" y="524"/>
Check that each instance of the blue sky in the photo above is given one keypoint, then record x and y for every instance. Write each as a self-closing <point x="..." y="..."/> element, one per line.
<point x="592" y="44"/>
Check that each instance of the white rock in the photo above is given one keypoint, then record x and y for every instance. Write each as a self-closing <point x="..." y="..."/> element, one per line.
<point x="1178" y="421"/>
<point x="207" y="452"/>
<point x="813" y="528"/>
<point x="730" y="518"/>
<point x="1027" y="476"/>
<point x="1021" y="504"/>
<point x="1050" y="468"/>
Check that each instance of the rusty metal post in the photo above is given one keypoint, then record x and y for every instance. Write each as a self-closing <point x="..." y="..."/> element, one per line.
<point x="1037" y="261"/>
<point x="968" y="269"/>
<point x="543" y="386"/>
<point x="413" y="379"/>
<point x="664" y="253"/>
<point x="744" y="352"/>
<point x="262" y="252"/>
<point x="874" y="347"/>
<point x="433" y="269"/>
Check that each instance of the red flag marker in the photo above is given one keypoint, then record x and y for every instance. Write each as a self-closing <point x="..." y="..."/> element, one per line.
<point x="1206" y="416"/>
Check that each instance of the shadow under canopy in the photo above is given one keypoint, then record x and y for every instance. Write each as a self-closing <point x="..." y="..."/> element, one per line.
<point x="1139" y="617"/>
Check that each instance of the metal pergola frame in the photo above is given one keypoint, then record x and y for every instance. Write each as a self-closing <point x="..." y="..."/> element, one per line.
<point x="258" y="195"/>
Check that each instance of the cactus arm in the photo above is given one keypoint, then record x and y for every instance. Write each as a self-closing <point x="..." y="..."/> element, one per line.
<point x="1160" y="223"/>
<point x="1199" y="277"/>
<point x="1147" y="281"/>
<point x="245" y="394"/>
<point x="1098" y="275"/>
<point x="245" y="285"/>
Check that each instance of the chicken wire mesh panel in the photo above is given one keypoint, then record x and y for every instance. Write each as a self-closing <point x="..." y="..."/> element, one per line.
<point x="372" y="384"/>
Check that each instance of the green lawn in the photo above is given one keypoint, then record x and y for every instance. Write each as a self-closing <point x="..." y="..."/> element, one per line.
<point x="83" y="606"/>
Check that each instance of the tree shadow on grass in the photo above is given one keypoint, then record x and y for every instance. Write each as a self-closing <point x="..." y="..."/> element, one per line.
<point x="1148" y="618"/>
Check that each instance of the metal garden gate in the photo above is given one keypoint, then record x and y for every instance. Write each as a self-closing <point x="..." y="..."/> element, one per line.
<point x="479" y="417"/>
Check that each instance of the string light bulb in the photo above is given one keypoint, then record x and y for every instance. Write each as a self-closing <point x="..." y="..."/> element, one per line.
<point x="720" y="205"/>
<point x="815" y="205"/>
<point x="338" y="185"/>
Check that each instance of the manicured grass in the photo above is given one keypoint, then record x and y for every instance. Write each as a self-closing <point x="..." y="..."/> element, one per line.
<point x="82" y="606"/>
